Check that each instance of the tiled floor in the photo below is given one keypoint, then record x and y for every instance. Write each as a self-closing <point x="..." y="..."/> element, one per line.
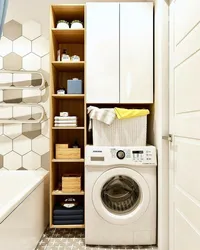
<point x="73" y="239"/>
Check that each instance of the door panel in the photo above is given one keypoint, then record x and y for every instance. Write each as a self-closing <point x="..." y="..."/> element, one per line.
<point x="185" y="125"/>
<point x="102" y="52"/>
<point x="136" y="52"/>
<point x="186" y="18"/>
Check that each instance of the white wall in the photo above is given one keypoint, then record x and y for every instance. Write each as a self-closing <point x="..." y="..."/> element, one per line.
<point x="38" y="10"/>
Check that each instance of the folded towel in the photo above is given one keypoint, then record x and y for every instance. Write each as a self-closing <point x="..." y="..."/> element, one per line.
<point x="130" y="113"/>
<point x="65" y="125"/>
<point x="106" y="116"/>
<point x="67" y="118"/>
<point x="67" y="222"/>
<point x="68" y="217"/>
<point x="60" y="210"/>
<point x="71" y="121"/>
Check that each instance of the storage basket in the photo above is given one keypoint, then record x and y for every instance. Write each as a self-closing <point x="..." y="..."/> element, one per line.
<point x="126" y="132"/>
<point x="71" y="183"/>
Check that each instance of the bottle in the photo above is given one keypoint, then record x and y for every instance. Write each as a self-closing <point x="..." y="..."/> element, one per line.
<point x="75" y="145"/>
<point x="65" y="57"/>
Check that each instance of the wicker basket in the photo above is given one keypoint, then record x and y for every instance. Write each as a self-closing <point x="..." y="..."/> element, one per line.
<point x="126" y="132"/>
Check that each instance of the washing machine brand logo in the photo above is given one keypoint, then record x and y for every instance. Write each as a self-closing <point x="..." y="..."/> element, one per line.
<point x="97" y="151"/>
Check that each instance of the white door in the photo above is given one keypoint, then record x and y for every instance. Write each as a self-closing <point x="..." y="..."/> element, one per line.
<point x="136" y="52"/>
<point x="185" y="125"/>
<point x="102" y="52"/>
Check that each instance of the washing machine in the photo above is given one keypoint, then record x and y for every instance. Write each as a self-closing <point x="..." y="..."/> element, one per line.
<point x="120" y="195"/>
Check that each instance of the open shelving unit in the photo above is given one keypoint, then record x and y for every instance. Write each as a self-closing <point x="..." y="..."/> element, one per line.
<point x="60" y="72"/>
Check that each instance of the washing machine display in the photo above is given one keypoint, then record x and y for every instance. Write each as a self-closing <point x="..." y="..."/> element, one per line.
<point x="120" y="194"/>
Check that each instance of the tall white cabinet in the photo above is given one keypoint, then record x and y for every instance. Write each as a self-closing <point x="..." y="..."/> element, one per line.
<point x="119" y="52"/>
<point x="102" y="52"/>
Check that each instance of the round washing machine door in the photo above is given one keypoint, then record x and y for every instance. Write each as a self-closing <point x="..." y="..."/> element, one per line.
<point x="121" y="196"/>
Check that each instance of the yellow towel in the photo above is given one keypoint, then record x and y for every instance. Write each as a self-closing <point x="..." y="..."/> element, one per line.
<point x="129" y="113"/>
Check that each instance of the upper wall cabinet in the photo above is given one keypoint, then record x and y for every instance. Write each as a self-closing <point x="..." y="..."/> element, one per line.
<point x="136" y="52"/>
<point x="119" y="52"/>
<point x="102" y="52"/>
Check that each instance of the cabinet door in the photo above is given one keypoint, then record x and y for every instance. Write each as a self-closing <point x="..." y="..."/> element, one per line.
<point x="102" y="52"/>
<point x="136" y="52"/>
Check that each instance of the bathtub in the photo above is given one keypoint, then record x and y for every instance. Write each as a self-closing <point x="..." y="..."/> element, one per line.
<point x="23" y="208"/>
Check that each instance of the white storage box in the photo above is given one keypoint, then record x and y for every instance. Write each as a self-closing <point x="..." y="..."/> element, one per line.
<point x="126" y="132"/>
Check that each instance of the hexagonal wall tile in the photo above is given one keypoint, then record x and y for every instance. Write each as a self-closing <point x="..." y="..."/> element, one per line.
<point x="31" y="96"/>
<point x="12" y="96"/>
<point x="12" y="130"/>
<point x="12" y="30"/>
<point x="46" y="161"/>
<point x="21" y="113"/>
<point x="1" y="161"/>
<point x="45" y="63"/>
<point x="40" y="145"/>
<point x="36" y="113"/>
<point x="1" y="62"/>
<point x="5" y="46"/>
<point x="31" y="131"/>
<point x="5" y="113"/>
<point x="40" y="46"/>
<point x="22" y="145"/>
<point x="31" y="29"/>
<point x="5" y="79"/>
<point x="45" y="128"/>
<point x="12" y="62"/>
<point x="12" y="161"/>
<point x="22" y="80"/>
<point x="31" y="62"/>
<point x="1" y="129"/>
<point x="22" y="46"/>
<point x="6" y="145"/>
<point x="31" y="161"/>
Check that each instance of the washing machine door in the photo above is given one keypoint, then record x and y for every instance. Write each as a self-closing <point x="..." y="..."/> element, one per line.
<point x="121" y="196"/>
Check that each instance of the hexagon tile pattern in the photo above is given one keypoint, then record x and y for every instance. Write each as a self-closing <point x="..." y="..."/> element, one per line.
<point x="25" y="146"/>
<point x="31" y="30"/>
<point x="12" y="62"/>
<point x="12" y="30"/>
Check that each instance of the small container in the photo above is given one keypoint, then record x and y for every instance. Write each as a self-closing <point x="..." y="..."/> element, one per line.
<point x="65" y="57"/>
<point x="61" y="91"/>
<point x="75" y="58"/>
<point x="64" y="114"/>
<point x="74" y="86"/>
<point x="62" y="24"/>
<point x="76" y="24"/>
<point x="58" y="56"/>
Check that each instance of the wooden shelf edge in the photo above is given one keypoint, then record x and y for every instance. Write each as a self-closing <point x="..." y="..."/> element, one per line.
<point x="68" y="226"/>
<point x="68" y="160"/>
<point x="67" y="30"/>
<point x="68" y="96"/>
<point x="68" y="128"/>
<point x="59" y="192"/>
<point x="67" y="63"/>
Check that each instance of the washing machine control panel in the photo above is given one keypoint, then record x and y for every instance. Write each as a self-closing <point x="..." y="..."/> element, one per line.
<point x="120" y="155"/>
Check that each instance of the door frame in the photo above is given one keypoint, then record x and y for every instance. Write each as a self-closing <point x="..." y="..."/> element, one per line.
<point x="161" y="119"/>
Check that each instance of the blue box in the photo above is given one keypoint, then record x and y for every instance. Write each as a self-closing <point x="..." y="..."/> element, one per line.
<point x="74" y="86"/>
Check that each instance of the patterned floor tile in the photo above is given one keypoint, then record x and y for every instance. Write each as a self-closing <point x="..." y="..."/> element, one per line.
<point x="73" y="239"/>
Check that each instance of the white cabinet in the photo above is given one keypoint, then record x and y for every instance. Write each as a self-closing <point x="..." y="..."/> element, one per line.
<point x="119" y="53"/>
<point x="136" y="52"/>
<point x="102" y="53"/>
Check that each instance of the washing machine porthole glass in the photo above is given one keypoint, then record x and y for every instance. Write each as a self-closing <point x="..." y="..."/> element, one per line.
<point x="120" y="194"/>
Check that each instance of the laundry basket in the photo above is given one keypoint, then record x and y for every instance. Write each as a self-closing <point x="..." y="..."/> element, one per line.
<point x="126" y="132"/>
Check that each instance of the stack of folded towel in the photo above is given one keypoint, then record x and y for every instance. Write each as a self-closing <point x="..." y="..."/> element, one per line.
<point x="68" y="216"/>
<point x="65" y="121"/>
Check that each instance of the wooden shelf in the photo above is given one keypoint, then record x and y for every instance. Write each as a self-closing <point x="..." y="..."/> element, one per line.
<point x="59" y="192"/>
<point x="71" y="11"/>
<point x="68" y="96"/>
<point x="68" y="160"/>
<point x="68" y="226"/>
<point x="69" y="35"/>
<point x="68" y="128"/>
<point x="69" y="66"/>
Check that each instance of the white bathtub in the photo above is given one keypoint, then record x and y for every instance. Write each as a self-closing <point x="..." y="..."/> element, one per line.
<point x="23" y="208"/>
